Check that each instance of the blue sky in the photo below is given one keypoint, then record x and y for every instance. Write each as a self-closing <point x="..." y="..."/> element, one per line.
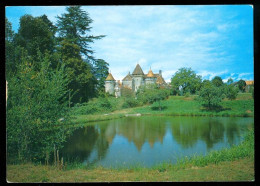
<point x="212" y="40"/>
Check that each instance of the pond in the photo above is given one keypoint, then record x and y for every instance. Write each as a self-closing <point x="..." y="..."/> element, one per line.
<point x="150" y="140"/>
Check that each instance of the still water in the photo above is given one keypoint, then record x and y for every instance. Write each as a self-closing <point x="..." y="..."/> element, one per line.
<point x="149" y="140"/>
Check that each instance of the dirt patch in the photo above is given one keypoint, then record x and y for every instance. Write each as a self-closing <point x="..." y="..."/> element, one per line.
<point x="248" y="111"/>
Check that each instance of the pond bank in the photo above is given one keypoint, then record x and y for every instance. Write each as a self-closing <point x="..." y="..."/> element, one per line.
<point x="238" y="170"/>
<point x="233" y="164"/>
<point x="243" y="106"/>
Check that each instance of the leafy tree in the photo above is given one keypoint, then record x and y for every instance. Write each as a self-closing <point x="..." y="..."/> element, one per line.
<point x="37" y="99"/>
<point x="101" y="72"/>
<point x="79" y="73"/>
<point x="187" y="79"/>
<point x="210" y="95"/>
<point x="230" y="81"/>
<point x="217" y="81"/>
<point x="152" y="94"/>
<point x="74" y="26"/>
<point x="231" y="92"/>
<point x="9" y="48"/>
<point x="241" y="85"/>
<point x="34" y="34"/>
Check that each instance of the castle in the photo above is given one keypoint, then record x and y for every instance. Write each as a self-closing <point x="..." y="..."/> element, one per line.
<point x="133" y="81"/>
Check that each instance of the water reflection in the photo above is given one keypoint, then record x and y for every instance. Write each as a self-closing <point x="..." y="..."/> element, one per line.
<point x="100" y="143"/>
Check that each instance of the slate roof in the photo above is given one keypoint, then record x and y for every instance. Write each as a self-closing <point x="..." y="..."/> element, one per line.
<point x="110" y="77"/>
<point x="138" y="70"/>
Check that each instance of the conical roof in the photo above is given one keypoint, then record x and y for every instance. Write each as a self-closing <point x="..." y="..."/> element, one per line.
<point x="150" y="73"/>
<point x="138" y="70"/>
<point x="128" y="77"/>
<point x="110" y="77"/>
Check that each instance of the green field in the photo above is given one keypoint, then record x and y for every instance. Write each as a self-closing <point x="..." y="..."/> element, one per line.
<point x="243" y="106"/>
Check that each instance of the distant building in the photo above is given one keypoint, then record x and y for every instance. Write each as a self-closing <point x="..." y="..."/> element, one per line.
<point x="249" y="84"/>
<point x="133" y="81"/>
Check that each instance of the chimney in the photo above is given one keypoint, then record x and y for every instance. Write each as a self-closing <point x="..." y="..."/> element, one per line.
<point x="160" y="72"/>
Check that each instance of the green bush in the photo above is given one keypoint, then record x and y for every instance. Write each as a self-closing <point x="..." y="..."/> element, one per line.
<point x="130" y="102"/>
<point x="37" y="100"/>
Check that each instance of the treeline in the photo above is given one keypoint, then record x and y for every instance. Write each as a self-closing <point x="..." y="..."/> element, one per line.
<point x="210" y="92"/>
<point x="49" y="68"/>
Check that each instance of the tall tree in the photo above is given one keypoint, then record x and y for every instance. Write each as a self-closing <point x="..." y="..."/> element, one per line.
<point x="9" y="48"/>
<point x="35" y="34"/>
<point x="79" y="73"/>
<point x="187" y="79"/>
<point x="241" y="85"/>
<point x="101" y="72"/>
<point x="75" y="26"/>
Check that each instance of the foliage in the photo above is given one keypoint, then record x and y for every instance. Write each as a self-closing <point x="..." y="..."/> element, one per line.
<point x="187" y="79"/>
<point x="241" y="85"/>
<point x="34" y="34"/>
<point x="130" y="102"/>
<point x="127" y="92"/>
<point x="150" y="94"/>
<point x="230" y="81"/>
<point x="95" y="105"/>
<point x="9" y="49"/>
<point x="217" y="81"/>
<point x="231" y="92"/>
<point x="79" y="73"/>
<point x="74" y="26"/>
<point x="210" y="95"/>
<point x="100" y="73"/>
<point x="37" y="99"/>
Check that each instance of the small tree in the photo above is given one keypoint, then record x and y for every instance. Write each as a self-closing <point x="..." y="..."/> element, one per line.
<point x="241" y="85"/>
<point x="230" y="81"/>
<point x="210" y="96"/>
<point x="217" y="81"/>
<point x="231" y="92"/>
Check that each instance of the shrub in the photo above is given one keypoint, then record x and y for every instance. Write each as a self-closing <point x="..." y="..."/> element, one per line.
<point x="130" y="102"/>
<point x="37" y="100"/>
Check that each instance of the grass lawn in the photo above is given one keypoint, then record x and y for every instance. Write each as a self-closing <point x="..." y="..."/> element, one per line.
<point x="243" y="106"/>
<point x="188" y="106"/>
<point x="238" y="170"/>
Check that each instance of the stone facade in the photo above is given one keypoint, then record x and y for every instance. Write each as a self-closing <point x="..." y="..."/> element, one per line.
<point x="133" y="81"/>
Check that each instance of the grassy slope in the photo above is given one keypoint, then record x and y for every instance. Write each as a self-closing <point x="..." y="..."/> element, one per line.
<point x="180" y="105"/>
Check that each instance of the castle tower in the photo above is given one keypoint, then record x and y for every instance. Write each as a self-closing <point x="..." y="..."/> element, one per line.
<point x="110" y="84"/>
<point x="127" y="81"/>
<point x="118" y="89"/>
<point x="138" y="77"/>
<point x="150" y="78"/>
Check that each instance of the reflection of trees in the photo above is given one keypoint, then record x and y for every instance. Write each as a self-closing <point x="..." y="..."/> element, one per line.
<point x="187" y="131"/>
<point x="138" y="130"/>
<point x="84" y="141"/>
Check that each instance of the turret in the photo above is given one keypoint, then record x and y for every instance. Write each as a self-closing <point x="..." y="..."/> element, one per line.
<point x="150" y="77"/>
<point x="110" y="84"/>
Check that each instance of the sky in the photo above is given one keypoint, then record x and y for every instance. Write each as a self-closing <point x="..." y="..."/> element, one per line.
<point x="212" y="40"/>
